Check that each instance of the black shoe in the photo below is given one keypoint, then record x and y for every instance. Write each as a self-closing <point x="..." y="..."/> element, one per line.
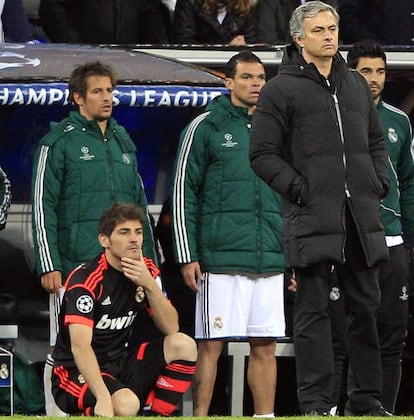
<point x="315" y="413"/>
<point x="378" y="411"/>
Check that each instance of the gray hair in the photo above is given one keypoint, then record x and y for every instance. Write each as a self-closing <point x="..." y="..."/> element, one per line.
<point x="308" y="10"/>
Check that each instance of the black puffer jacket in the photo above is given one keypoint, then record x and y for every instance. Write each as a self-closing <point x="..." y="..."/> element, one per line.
<point x="105" y="21"/>
<point x="192" y="25"/>
<point x="317" y="144"/>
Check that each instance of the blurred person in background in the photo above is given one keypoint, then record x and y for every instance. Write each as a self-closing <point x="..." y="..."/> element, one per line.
<point x="14" y="25"/>
<point x="31" y="8"/>
<point x="215" y="22"/>
<point x="105" y="21"/>
<point x="273" y="19"/>
<point x="385" y="21"/>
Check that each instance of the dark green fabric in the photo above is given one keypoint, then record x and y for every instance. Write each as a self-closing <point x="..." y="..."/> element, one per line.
<point x="397" y="208"/>
<point x="78" y="173"/>
<point x="28" y="390"/>
<point x="224" y="216"/>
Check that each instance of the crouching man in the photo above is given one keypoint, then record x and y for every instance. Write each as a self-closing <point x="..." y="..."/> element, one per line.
<point x="95" y="373"/>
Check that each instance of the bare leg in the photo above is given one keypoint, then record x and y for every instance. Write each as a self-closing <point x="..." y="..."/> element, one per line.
<point x="262" y="373"/>
<point x="205" y="377"/>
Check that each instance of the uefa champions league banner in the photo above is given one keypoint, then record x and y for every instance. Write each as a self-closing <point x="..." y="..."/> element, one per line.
<point x="47" y="94"/>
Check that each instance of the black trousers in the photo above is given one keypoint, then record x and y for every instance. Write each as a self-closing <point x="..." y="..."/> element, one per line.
<point x="392" y="322"/>
<point x="315" y="367"/>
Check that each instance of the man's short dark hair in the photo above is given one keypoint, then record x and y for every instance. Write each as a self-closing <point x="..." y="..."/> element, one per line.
<point x="119" y="213"/>
<point x="365" y="48"/>
<point x="78" y="80"/>
<point x="244" y="56"/>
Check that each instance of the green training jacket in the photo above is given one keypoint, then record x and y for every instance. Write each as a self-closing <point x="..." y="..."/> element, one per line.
<point x="77" y="174"/>
<point x="397" y="208"/>
<point x="224" y="216"/>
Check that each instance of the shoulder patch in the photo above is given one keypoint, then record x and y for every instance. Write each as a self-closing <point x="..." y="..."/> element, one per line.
<point x="57" y="131"/>
<point x="84" y="304"/>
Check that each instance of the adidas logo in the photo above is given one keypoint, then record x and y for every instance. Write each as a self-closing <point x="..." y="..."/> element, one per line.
<point x="163" y="382"/>
<point x="106" y="301"/>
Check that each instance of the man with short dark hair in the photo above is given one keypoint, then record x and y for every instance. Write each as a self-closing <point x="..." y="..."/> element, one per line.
<point x="83" y="165"/>
<point x="397" y="216"/>
<point x="227" y="233"/>
<point x="95" y="373"/>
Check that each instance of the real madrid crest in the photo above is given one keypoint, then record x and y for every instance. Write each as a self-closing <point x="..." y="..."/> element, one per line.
<point x="126" y="158"/>
<point x="139" y="294"/>
<point x="81" y="379"/>
<point x="392" y="135"/>
<point x="218" y="323"/>
<point x="335" y="294"/>
<point x="4" y="371"/>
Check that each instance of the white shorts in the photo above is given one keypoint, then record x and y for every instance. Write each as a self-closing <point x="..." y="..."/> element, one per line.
<point x="54" y="310"/>
<point x="240" y="305"/>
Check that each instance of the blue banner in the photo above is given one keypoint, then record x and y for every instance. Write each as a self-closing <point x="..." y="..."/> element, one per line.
<point x="140" y="96"/>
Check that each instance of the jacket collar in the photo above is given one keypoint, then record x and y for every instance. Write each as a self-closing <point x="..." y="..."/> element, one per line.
<point x="222" y="110"/>
<point x="293" y="63"/>
<point x="113" y="130"/>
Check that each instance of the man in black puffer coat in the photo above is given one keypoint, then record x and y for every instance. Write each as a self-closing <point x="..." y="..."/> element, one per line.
<point x="318" y="141"/>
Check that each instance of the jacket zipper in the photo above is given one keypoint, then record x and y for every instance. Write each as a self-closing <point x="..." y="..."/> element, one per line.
<point x="259" y="252"/>
<point x="341" y="133"/>
<point x="110" y="169"/>
<point x="347" y="193"/>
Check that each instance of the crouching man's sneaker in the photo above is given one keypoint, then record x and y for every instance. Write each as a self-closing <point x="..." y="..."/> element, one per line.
<point x="378" y="411"/>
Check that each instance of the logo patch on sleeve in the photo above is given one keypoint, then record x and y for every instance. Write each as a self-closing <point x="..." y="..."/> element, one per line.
<point x="84" y="304"/>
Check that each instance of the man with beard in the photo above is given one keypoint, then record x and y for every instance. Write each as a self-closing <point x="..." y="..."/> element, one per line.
<point x="83" y="165"/>
<point x="397" y="216"/>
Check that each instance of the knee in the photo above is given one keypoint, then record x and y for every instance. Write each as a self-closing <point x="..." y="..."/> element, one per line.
<point x="262" y="349"/>
<point x="180" y="346"/>
<point x="125" y="403"/>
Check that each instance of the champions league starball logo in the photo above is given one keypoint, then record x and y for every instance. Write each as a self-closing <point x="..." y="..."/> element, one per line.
<point x="10" y="59"/>
<point x="84" y="304"/>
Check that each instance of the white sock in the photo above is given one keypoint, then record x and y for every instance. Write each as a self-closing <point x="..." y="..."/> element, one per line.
<point x="265" y="416"/>
<point x="52" y="410"/>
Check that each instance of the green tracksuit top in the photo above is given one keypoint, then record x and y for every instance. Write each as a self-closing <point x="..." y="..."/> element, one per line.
<point x="397" y="208"/>
<point x="77" y="174"/>
<point x="224" y="216"/>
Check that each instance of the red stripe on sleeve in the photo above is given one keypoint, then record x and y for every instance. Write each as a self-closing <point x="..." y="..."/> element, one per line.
<point x="77" y="319"/>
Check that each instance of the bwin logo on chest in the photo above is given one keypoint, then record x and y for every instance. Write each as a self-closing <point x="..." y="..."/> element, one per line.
<point x="119" y="323"/>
